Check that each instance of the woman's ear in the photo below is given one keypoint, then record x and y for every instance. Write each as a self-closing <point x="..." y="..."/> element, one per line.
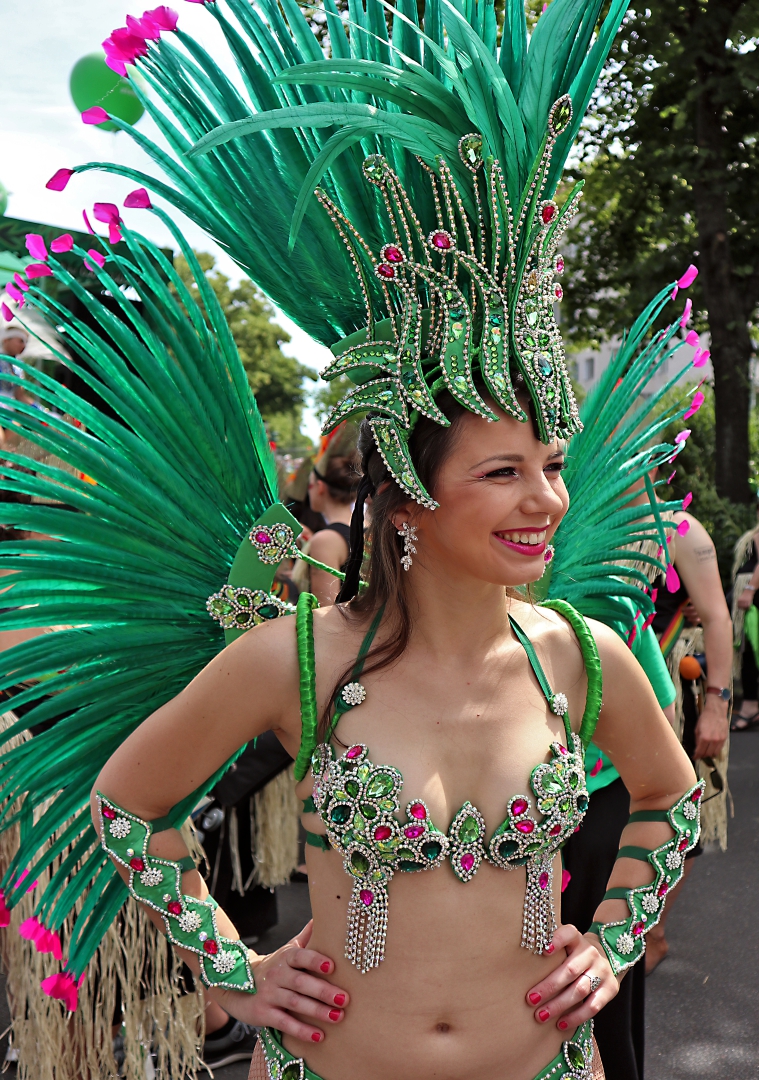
<point x="406" y="514"/>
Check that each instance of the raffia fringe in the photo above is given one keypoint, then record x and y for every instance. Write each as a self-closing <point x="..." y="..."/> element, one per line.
<point x="739" y="617"/>
<point x="274" y="816"/>
<point x="132" y="961"/>
<point x="714" y="811"/>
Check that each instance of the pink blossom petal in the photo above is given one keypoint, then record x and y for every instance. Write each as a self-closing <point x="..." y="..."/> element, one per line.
<point x="692" y="339"/>
<point x="683" y="527"/>
<point x="138" y="200"/>
<point x="35" y="245"/>
<point x="5" y="915"/>
<point x="62" y="987"/>
<point x="682" y="435"/>
<point x="632" y="636"/>
<point x="65" y="242"/>
<point x="107" y="212"/>
<point x="673" y="581"/>
<point x="59" y="179"/>
<point x="87" y="223"/>
<point x="21" y="283"/>
<point x="145" y="28"/>
<point x="114" y="234"/>
<point x="22" y="877"/>
<point x="597" y="767"/>
<point x="6" y="312"/>
<point x="126" y="46"/>
<point x="566" y="877"/>
<point x="686" y="313"/>
<point x="702" y="355"/>
<point x="653" y="594"/>
<point x="648" y="622"/>
<point x="31" y="929"/>
<point x="673" y="294"/>
<point x="95" y="115"/>
<point x="164" y="17"/>
<point x="117" y="65"/>
<point x="698" y="401"/>
<point x="672" y="476"/>
<point x="96" y="257"/>
<point x="660" y="552"/>
<point x="15" y="294"/>
<point x="687" y="500"/>
<point x="688" y="277"/>
<point x="35" y="270"/>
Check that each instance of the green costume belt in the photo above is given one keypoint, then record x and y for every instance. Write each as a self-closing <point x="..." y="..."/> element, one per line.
<point x="574" y="1061"/>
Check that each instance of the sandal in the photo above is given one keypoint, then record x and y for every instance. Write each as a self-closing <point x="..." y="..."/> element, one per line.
<point x="749" y="722"/>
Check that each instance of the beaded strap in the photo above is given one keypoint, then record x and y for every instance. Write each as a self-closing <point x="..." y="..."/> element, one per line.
<point x="624" y="942"/>
<point x="304" y="631"/>
<point x="190" y="923"/>
<point x="592" y="661"/>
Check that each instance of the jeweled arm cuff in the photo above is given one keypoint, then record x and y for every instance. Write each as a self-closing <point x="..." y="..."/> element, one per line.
<point x="190" y="923"/>
<point x="625" y="942"/>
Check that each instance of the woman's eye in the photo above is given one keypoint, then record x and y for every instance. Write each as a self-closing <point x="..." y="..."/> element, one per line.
<point x="505" y="471"/>
<point x="556" y="467"/>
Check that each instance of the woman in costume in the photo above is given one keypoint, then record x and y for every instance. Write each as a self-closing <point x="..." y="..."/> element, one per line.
<point x="445" y="237"/>
<point x="746" y="629"/>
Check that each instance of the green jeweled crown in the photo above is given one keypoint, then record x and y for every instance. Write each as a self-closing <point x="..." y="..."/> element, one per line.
<point x="472" y="302"/>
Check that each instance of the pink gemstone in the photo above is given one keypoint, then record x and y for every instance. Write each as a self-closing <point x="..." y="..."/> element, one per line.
<point x="554" y="830"/>
<point x="385" y="270"/>
<point x="467" y="862"/>
<point x="136" y="863"/>
<point x="108" y="813"/>
<point x="418" y="811"/>
<point x="210" y="947"/>
<point x="519" y="806"/>
<point x="174" y="907"/>
<point x="563" y="749"/>
<point x="526" y="826"/>
<point x="383" y="832"/>
<point x="366" y="896"/>
<point x="559" y="266"/>
<point x="663" y="889"/>
<point x="683" y="844"/>
<point x="441" y="241"/>
<point x="393" y="254"/>
<point x="696" y="795"/>
<point x="543" y="880"/>
<point x="412" y="831"/>
<point x="548" y="213"/>
<point x="558" y="292"/>
<point x="639" y="928"/>
<point x="262" y="538"/>
<point x="354" y="752"/>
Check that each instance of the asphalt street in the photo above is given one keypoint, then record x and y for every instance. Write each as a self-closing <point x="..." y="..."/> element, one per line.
<point x="702" y="1003"/>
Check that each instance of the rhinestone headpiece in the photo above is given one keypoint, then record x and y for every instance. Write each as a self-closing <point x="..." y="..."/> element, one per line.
<point x="471" y="299"/>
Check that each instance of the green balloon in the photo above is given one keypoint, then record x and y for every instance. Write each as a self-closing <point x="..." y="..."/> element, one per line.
<point x="92" y="82"/>
<point x="3" y="200"/>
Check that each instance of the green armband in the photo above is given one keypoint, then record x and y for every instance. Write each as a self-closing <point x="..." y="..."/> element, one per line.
<point x="625" y="942"/>
<point x="190" y="923"/>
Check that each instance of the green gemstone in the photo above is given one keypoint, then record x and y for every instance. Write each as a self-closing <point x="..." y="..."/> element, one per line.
<point x="470" y="149"/>
<point x="551" y="416"/>
<point x="340" y="814"/>
<point x="546" y="804"/>
<point x="409" y="866"/>
<point x="456" y="313"/>
<point x="457" y="329"/>
<point x="381" y="784"/>
<point x="291" y="1071"/>
<point x="385" y="395"/>
<point x="387" y="804"/>
<point x="407" y="478"/>
<point x="348" y="838"/>
<point x="549" y="782"/>
<point x="341" y="795"/>
<point x="531" y="312"/>
<point x="220" y="607"/>
<point x="386" y="847"/>
<point x="358" y="823"/>
<point x="530" y="341"/>
<point x="574" y="780"/>
<point x="363" y="771"/>
<point x="368" y="811"/>
<point x="243" y="618"/>
<point x="448" y="295"/>
<point x="564" y="806"/>
<point x="550" y="394"/>
<point x="243" y="599"/>
<point x="460" y="385"/>
<point x="575" y="1056"/>
<point x="530" y="848"/>
<point x="375" y="168"/>
<point x="359" y="862"/>
<point x="544" y="341"/>
<point x="352" y="788"/>
<point x="508" y="849"/>
<point x="498" y="380"/>
<point x="582" y="803"/>
<point x="405" y="853"/>
<point x="527" y="355"/>
<point x="494" y="320"/>
<point x="560" y="114"/>
<point x="496" y="333"/>
<point x="543" y="360"/>
<point x="268" y="611"/>
<point x="408" y="378"/>
<point x="431" y="850"/>
<point x="378" y="875"/>
<point x="469" y="830"/>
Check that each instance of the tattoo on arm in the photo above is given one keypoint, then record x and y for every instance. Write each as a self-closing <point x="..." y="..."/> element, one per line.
<point x="705" y="554"/>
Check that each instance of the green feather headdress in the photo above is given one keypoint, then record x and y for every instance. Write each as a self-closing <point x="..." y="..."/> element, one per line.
<point x="436" y="152"/>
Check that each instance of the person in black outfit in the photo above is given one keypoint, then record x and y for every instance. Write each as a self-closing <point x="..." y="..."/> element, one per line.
<point x="331" y="492"/>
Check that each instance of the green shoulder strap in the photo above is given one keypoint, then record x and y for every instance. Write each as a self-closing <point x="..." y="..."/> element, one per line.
<point x="304" y="630"/>
<point x="592" y="662"/>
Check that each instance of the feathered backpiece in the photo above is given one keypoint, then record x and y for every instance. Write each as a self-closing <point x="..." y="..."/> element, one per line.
<point x="435" y="152"/>
<point x="140" y="503"/>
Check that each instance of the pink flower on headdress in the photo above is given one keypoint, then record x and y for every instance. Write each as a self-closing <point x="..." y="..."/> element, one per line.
<point x="688" y="277"/>
<point x="87" y="223"/>
<point x="59" y="179"/>
<point x="95" y="115"/>
<point x="683" y="527"/>
<point x="692" y="339"/>
<point x="648" y="621"/>
<point x="64" y="987"/>
<point x="673" y="581"/>
<point x="35" y="270"/>
<point x="597" y="767"/>
<point x="109" y="213"/>
<point x="686" y="313"/>
<point x="687" y="500"/>
<point x="145" y="28"/>
<point x="566" y="877"/>
<point x="35" y="245"/>
<point x="138" y="200"/>
<point x="15" y="294"/>
<point x="702" y="355"/>
<point x="672" y="476"/>
<point x="7" y="314"/>
<point x="682" y="435"/>
<point x="5" y="915"/>
<point x="96" y="257"/>
<point x="695" y="405"/>
<point x="62" y="243"/>
<point x="21" y="283"/>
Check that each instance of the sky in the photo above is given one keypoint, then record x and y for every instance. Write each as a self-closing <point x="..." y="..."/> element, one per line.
<point x="41" y="131"/>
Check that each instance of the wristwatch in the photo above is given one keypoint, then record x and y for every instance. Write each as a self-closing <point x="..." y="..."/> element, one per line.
<point x="721" y="691"/>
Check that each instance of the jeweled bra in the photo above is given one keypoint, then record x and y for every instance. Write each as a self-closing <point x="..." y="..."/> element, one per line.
<point x="360" y="804"/>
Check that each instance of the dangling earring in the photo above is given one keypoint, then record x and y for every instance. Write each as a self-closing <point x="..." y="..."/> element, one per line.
<point x="548" y="555"/>
<point x="408" y="532"/>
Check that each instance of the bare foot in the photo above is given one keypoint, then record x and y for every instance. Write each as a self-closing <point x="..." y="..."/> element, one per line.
<point x="656" y="951"/>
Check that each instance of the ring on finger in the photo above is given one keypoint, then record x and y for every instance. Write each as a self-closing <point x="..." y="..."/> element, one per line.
<point x="594" y="981"/>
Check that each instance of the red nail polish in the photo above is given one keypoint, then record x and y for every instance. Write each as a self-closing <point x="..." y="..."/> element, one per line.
<point x="550" y="948"/>
<point x="544" y="1014"/>
<point x="563" y="1025"/>
<point x="335" y="1014"/>
<point x="325" y="966"/>
<point x="316" y="1036"/>
<point x="534" y="998"/>
<point x="339" y="999"/>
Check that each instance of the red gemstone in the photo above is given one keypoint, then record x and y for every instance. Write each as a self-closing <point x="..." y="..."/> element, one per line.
<point x="136" y="863"/>
<point x="412" y="831"/>
<point x="639" y="928"/>
<point x="393" y="254"/>
<point x="107" y="812"/>
<point x="559" y="266"/>
<point x="174" y="907"/>
<point x="548" y="213"/>
<point x="210" y="947"/>
<point x="558" y="292"/>
<point x="262" y="538"/>
<point x="663" y="889"/>
<point x="418" y="811"/>
<point x="563" y="749"/>
<point x="467" y="862"/>
<point x="696" y="795"/>
<point x="554" y="830"/>
<point x="519" y="806"/>
<point x="366" y="896"/>
<point x="385" y="270"/>
<point x="543" y="880"/>
<point x="354" y="752"/>
<point x="383" y="832"/>
<point x="526" y="826"/>
<point x="442" y="241"/>
<point x="683" y="844"/>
